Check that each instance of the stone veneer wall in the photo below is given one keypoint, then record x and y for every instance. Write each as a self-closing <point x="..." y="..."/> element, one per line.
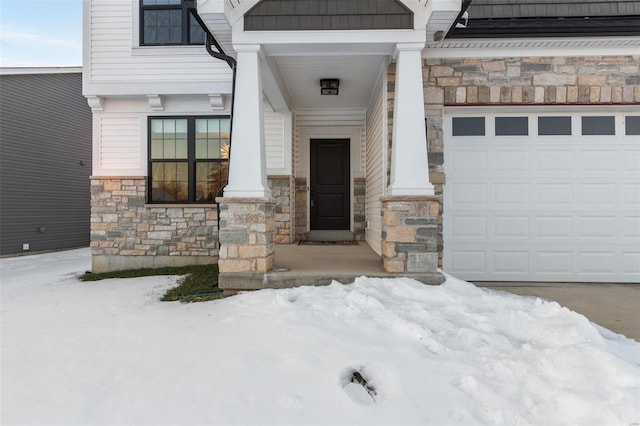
<point x="126" y="233"/>
<point x="359" y="212"/>
<point x="409" y="234"/>
<point x="281" y="190"/>
<point x="593" y="80"/>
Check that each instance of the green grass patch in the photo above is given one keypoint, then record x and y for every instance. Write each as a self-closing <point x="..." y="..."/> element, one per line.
<point x="200" y="282"/>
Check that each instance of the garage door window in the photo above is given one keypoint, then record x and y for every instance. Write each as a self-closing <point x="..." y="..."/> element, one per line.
<point x="512" y="126"/>
<point x="632" y="125"/>
<point x="468" y="126"/>
<point x="554" y="126"/>
<point x="598" y="125"/>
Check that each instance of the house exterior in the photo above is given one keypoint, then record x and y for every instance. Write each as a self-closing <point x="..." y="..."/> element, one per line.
<point x="45" y="160"/>
<point x="503" y="150"/>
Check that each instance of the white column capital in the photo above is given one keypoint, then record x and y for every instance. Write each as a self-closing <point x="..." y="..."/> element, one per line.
<point x="404" y="47"/>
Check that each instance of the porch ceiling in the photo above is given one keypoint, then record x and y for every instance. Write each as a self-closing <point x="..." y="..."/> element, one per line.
<point x="357" y="74"/>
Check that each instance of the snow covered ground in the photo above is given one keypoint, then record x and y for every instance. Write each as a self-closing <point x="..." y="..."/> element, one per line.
<point x="110" y="353"/>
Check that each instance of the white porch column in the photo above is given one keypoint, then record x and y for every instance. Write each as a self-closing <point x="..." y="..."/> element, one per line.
<point x="409" y="158"/>
<point x="247" y="162"/>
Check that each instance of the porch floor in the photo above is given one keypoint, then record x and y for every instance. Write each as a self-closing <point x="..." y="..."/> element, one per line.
<point x="298" y="265"/>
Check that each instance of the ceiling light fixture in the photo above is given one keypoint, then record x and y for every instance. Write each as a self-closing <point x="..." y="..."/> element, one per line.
<point x="329" y="86"/>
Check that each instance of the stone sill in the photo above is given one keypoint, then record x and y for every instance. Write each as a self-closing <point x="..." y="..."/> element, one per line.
<point x="116" y="177"/>
<point x="186" y="206"/>
<point x="243" y="200"/>
<point x="411" y="198"/>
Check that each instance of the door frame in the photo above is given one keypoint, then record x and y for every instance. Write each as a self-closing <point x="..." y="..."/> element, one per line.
<point x="303" y="163"/>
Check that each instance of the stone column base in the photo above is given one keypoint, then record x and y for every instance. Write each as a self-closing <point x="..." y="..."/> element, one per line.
<point x="247" y="235"/>
<point x="410" y="234"/>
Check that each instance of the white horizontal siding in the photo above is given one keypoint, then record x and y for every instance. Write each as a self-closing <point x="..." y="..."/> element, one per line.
<point x="116" y="57"/>
<point x="119" y="144"/>
<point x="330" y="117"/>
<point x="375" y="143"/>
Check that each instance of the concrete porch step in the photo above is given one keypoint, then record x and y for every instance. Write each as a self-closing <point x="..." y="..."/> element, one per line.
<point x="329" y="236"/>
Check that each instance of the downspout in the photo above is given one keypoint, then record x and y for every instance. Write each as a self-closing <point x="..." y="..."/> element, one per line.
<point x="233" y="64"/>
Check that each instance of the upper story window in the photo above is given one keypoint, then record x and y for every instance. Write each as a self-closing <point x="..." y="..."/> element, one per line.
<point x="168" y="22"/>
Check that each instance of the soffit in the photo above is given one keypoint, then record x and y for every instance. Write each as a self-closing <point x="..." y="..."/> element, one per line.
<point x="357" y="77"/>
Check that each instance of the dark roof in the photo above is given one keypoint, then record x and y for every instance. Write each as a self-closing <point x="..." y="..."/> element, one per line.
<point x="550" y="18"/>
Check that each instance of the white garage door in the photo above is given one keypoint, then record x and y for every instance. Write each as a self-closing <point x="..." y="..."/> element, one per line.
<point x="547" y="195"/>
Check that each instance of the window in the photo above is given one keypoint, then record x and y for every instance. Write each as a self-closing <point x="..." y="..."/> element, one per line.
<point x="632" y="125"/>
<point x="554" y="126"/>
<point x="188" y="158"/>
<point x="512" y="126"/>
<point x="598" y="125"/>
<point x="468" y="126"/>
<point x="168" y="22"/>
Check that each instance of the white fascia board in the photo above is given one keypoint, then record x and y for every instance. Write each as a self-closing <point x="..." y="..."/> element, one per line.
<point x="143" y="89"/>
<point x="39" y="70"/>
<point x="237" y="13"/>
<point x="334" y="37"/>
<point x="518" y="48"/>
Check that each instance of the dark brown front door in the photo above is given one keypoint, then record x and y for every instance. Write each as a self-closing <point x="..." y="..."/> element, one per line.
<point x="330" y="184"/>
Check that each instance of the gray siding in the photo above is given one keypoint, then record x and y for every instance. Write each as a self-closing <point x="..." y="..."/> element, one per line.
<point x="283" y="15"/>
<point x="496" y="9"/>
<point x="45" y="134"/>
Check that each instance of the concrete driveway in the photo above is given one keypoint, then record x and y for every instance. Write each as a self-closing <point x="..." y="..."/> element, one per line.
<point x="614" y="306"/>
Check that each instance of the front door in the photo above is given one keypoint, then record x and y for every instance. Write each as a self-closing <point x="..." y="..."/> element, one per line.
<point x="330" y="184"/>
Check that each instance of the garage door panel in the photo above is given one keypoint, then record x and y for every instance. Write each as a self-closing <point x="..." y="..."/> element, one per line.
<point x="554" y="227"/>
<point x="468" y="227"/>
<point x="469" y="261"/>
<point x="598" y="227"/>
<point x="597" y="194"/>
<point x="631" y="264"/>
<point x="511" y="261"/>
<point x="542" y="208"/>
<point x="511" y="227"/>
<point x="555" y="160"/>
<point x="597" y="160"/>
<point x="631" y="194"/>
<point x="516" y="194"/>
<point x="511" y="161"/>
<point x="554" y="262"/>
<point x="596" y="262"/>
<point x="470" y="162"/>
<point x="631" y="228"/>
<point x="469" y="193"/>
<point x="555" y="194"/>
<point x="631" y="160"/>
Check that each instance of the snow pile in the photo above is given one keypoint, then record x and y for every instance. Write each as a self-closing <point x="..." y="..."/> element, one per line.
<point x="110" y="353"/>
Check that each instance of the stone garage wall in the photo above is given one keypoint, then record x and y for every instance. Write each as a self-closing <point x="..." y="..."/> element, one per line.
<point x="593" y="80"/>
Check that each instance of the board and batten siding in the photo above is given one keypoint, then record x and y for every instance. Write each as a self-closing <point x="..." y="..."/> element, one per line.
<point x="116" y="64"/>
<point x="45" y="162"/>
<point x="375" y="162"/>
